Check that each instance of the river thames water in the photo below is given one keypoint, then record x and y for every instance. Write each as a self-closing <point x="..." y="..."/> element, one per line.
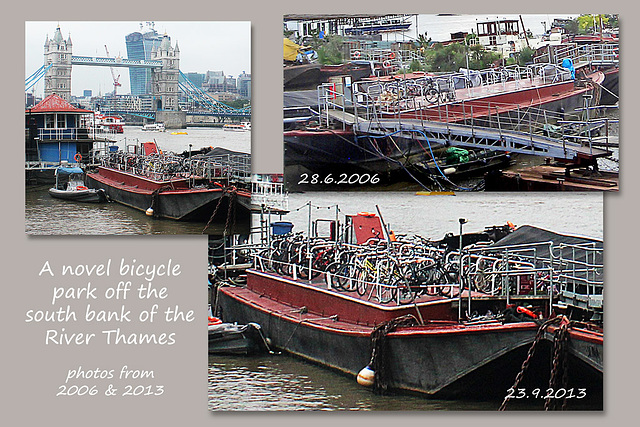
<point x="284" y="383"/>
<point x="47" y="216"/>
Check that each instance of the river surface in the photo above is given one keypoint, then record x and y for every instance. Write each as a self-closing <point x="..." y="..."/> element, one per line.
<point x="45" y="215"/>
<point x="284" y="383"/>
<point x="433" y="216"/>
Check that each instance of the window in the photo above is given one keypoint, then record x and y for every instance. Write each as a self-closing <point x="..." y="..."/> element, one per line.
<point x="49" y="121"/>
<point x="61" y="121"/>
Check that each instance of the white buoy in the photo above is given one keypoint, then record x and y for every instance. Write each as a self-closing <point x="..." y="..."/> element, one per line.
<point x="366" y="376"/>
<point x="149" y="212"/>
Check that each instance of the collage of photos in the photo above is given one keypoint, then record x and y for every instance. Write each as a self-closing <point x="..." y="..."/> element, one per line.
<point x="434" y="241"/>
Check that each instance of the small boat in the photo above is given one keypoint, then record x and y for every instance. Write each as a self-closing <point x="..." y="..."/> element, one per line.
<point x="237" y="126"/>
<point x="108" y="124"/>
<point x="73" y="188"/>
<point x="231" y="338"/>
<point x="154" y="127"/>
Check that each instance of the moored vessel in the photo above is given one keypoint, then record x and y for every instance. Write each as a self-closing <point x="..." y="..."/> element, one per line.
<point x="243" y="126"/>
<point x="456" y="324"/>
<point x="209" y="187"/>
<point x="70" y="186"/>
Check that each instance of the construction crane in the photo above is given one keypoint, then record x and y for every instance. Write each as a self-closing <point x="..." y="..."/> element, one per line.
<point x="116" y="83"/>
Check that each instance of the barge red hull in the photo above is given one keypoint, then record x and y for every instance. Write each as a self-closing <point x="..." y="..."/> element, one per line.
<point x="442" y="358"/>
<point x="173" y="199"/>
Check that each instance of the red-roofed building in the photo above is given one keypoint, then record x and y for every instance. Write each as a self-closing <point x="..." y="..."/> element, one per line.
<point x="55" y="104"/>
<point x="56" y="131"/>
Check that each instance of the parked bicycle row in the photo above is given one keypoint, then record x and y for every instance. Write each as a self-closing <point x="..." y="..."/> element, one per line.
<point x="405" y="268"/>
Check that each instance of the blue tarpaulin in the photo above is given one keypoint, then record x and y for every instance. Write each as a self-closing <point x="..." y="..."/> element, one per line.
<point x="68" y="171"/>
<point x="568" y="64"/>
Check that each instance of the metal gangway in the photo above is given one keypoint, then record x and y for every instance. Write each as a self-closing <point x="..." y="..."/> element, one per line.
<point x="504" y="127"/>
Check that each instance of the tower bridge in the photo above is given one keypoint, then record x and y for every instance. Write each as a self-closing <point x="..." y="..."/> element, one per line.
<point x="166" y="85"/>
<point x="114" y="62"/>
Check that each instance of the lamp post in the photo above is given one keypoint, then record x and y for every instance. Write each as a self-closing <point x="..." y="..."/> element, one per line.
<point x="461" y="221"/>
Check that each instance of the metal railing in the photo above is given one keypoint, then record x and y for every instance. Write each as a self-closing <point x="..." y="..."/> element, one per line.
<point x="269" y="194"/>
<point x="596" y="54"/>
<point x="72" y="134"/>
<point x="228" y="167"/>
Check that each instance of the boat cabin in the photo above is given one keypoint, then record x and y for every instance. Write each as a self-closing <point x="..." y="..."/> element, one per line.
<point x="501" y="35"/>
<point x="69" y="178"/>
<point x="55" y="132"/>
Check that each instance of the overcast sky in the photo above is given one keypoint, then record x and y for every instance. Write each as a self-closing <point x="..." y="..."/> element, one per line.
<point x="203" y="46"/>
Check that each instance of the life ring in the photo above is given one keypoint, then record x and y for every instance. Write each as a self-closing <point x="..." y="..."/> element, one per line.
<point x="77" y="157"/>
<point x="386" y="64"/>
<point x="392" y="55"/>
<point x="356" y="54"/>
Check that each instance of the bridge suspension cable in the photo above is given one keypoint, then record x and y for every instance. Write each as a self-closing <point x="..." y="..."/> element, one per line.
<point x="34" y="78"/>
<point x="197" y="94"/>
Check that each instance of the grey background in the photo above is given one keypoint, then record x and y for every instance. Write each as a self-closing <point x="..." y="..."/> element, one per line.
<point x="31" y="373"/>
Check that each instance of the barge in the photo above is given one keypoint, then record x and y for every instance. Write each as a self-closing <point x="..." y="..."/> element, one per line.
<point x="435" y="344"/>
<point x="391" y="126"/>
<point x="203" y="188"/>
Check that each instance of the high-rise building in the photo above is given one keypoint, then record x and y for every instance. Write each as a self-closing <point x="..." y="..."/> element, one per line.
<point x="139" y="47"/>
<point x="244" y="85"/>
<point x="196" y="78"/>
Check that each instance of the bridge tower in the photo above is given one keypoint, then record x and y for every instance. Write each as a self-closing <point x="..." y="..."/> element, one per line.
<point x="164" y="83"/>
<point x="57" y="52"/>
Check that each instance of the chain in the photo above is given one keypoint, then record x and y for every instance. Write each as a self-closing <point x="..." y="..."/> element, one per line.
<point x="231" y="211"/>
<point x="215" y="211"/>
<point x="155" y="199"/>
<point x="565" y="368"/>
<point x="527" y="360"/>
<point x="232" y="194"/>
<point x="559" y="365"/>
<point x="380" y="354"/>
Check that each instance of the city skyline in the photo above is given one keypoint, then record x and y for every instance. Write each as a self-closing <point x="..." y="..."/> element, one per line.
<point x="204" y="46"/>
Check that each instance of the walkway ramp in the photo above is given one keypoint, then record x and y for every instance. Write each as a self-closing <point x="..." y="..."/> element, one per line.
<point x="342" y="117"/>
<point x="475" y="137"/>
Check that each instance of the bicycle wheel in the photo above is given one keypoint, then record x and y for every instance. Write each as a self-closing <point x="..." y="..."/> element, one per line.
<point x="361" y="282"/>
<point x="334" y="270"/>
<point x="386" y="292"/>
<point x="432" y="95"/>
<point x="406" y="283"/>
